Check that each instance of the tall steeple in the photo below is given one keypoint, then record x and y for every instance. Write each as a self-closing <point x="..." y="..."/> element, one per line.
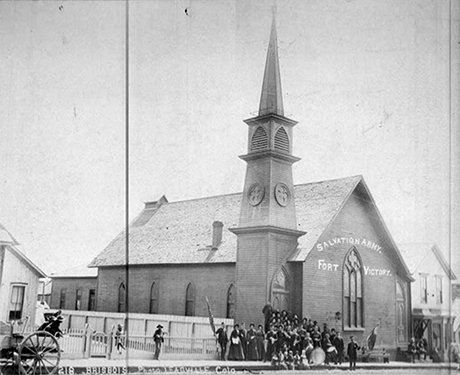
<point x="267" y="229"/>
<point x="271" y="99"/>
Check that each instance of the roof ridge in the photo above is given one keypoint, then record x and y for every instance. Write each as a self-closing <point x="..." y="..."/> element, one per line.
<point x="331" y="180"/>
<point x="203" y="198"/>
<point x="240" y="192"/>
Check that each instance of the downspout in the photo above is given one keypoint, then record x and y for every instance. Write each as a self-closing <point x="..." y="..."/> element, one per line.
<point x="2" y="262"/>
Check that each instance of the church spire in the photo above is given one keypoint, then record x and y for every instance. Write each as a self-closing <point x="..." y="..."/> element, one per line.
<point x="271" y="100"/>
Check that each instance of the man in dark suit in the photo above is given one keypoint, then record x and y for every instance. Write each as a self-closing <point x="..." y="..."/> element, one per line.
<point x="352" y="352"/>
<point x="158" y="339"/>
<point x="339" y="345"/>
<point x="222" y="339"/>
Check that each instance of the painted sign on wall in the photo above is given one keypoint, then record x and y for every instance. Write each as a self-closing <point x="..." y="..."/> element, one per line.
<point x="320" y="246"/>
<point x="368" y="271"/>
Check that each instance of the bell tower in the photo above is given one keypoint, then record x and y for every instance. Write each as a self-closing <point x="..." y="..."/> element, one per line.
<point x="267" y="230"/>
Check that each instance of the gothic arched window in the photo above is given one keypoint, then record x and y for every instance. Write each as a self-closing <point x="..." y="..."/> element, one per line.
<point x="352" y="290"/>
<point x="400" y="313"/>
<point x="154" y="291"/>
<point x="281" y="140"/>
<point x="122" y="298"/>
<point x="190" y="300"/>
<point x="231" y="301"/>
<point x="259" y="140"/>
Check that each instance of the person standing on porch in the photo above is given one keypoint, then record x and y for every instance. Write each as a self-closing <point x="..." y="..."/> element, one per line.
<point x="251" y="339"/>
<point x="260" y="336"/>
<point x="158" y="339"/>
<point x="236" y="349"/>
<point x="222" y="339"/>
<point x="352" y="352"/>
<point x="118" y="339"/>
<point x="412" y="349"/>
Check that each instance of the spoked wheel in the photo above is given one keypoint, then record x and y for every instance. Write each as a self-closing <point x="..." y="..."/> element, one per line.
<point x="39" y="354"/>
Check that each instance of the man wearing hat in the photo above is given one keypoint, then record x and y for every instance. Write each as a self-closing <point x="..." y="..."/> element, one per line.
<point x="158" y="339"/>
<point x="352" y="352"/>
<point x="222" y="339"/>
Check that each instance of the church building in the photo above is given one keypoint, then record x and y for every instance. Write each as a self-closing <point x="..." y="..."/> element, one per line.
<point x="320" y="250"/>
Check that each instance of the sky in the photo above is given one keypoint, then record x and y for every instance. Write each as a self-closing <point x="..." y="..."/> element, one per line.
<point x="373" y="84"/>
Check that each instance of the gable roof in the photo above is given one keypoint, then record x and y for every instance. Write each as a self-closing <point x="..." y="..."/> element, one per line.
<point x="316" y="205"/>
<point x="415" y="255"/>
<point x="330" y="201"/>
<point x="16" y="252"/>
<point x="181" y="232"/>
<point x="10" y="243"/>
<point x="6" y="238"/>
<point x="80" y="271"/>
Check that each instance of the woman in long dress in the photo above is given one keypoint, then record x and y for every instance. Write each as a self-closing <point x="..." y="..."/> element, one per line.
<point x="251" y="339"/>
<point x="271" y="337"/>
<point x="235" y="352"/>
<point x="260" y="336"/>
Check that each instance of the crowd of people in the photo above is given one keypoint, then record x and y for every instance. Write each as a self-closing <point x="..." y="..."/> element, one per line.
<point x="285" y="341"/>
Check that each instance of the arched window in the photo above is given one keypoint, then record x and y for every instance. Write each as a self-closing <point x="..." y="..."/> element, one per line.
<point x="400" y="313"/>
<point x="154" y="291"/>
<point x="352" y="290"/>
<point x="122" y="298"/>
<point x="190" y="300"/>
<point x="281" y="140"/>
<point x="231" y="302"/>
<point x="259" y="140"/>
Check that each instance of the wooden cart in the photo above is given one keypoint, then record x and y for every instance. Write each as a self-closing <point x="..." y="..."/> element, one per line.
<point x="37" y="353"/>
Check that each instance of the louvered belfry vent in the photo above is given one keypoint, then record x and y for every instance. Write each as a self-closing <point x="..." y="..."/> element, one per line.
<point x="281" y="140"/>
<point x="259" y="140"/>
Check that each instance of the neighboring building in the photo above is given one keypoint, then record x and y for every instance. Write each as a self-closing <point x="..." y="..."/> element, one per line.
<point x="432" y="316"/>
<point x="44" y="290"/>
<point x="320" y="250"/>
<point x="74" y="289"/>
<point x="456" y="311"/>
<point x="19" y="279"/>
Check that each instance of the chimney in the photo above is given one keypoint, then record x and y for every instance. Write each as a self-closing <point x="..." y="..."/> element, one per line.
<point x="216" y="234"/>
<point x="152" y="205"/>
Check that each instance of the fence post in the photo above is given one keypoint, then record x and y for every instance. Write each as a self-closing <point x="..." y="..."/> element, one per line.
<point x="88" y="334"/>
<point x="145" y="333"/>
<point x="205" y="345"/>
<point x="110" y="343"/>
<point x="193" y="337"/>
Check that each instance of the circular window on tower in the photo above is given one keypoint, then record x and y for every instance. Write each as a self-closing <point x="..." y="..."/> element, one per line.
<point x="256" y="193"/>
<point x="282" y="194"/>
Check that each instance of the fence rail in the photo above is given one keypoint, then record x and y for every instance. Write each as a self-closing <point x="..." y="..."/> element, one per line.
<point x="172" y="346"/>
<point x="85" y="343"/>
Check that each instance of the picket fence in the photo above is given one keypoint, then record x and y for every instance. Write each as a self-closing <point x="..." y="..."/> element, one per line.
<point x="86" y="343"/>
<point x="92" y="334"/>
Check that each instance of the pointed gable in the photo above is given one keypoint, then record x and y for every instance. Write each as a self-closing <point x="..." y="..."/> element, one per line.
<point x="6" y="238"/>
<point x="418" y="255"/>
<point x="317" y="205"/>
<point x="328" y="203"/>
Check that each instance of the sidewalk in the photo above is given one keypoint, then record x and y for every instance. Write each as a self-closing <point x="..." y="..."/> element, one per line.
<point x="102" y="366"/>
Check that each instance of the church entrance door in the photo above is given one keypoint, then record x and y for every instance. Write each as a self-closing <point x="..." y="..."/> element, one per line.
<point x="280" y="292"/>
<point x="280" y="300"/>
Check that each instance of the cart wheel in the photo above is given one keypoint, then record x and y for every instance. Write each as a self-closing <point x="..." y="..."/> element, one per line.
<point x="39" y="354"/>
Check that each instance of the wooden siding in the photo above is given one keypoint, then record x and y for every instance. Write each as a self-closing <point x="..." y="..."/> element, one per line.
<point x="211" y="280"/>
<point x="322" y="294"/>
<point x="17" y="272"/>
<point x="71" y="285"/>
